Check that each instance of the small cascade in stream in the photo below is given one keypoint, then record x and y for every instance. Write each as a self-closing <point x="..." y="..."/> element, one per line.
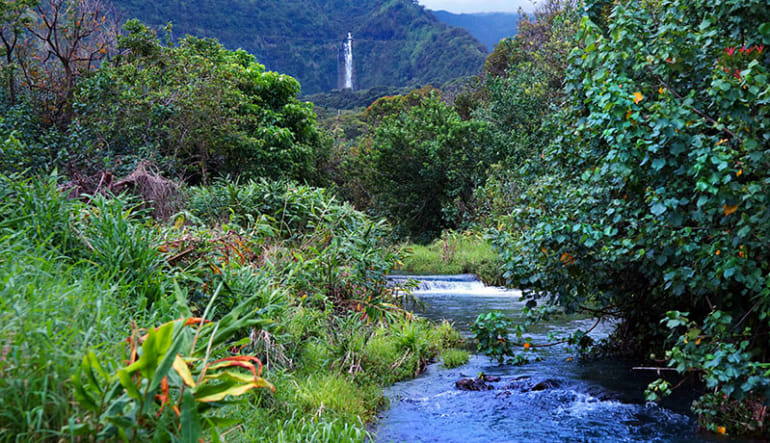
<point x="558" y="398"/>
<point x="441" y="283"/>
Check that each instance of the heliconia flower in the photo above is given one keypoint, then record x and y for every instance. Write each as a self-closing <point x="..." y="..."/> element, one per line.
<point x="730" y="51"/>
<point x="760" y="48"/>
<point x="737" y="74"/>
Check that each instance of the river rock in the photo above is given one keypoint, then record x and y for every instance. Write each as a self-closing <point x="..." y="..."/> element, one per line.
<point x="473" y="384"/>
<point x="527" y="385"/>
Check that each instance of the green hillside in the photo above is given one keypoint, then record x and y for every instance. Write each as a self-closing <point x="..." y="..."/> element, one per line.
<point x="396" y="42"/>
<point x="488" y="27"/>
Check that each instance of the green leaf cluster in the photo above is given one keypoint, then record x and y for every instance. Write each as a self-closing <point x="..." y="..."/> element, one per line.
<point x="655" y="194"/>
<point x="197" y="110"/>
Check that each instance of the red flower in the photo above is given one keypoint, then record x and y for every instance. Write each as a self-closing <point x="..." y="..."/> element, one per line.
<point x="730" y="51"/>
<point x="760" y="48"/>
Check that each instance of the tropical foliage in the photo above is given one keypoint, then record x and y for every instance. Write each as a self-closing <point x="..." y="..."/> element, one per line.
<point x="116" y="327"/>
<point x="654" y="206"/>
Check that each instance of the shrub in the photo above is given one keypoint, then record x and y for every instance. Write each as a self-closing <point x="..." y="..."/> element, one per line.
<point x="454" y="357"/>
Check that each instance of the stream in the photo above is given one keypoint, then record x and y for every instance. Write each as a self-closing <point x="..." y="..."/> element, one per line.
<point x="558" y="399"/>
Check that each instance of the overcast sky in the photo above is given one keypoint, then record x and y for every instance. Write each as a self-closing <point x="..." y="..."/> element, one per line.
<point x="459" y="6"/>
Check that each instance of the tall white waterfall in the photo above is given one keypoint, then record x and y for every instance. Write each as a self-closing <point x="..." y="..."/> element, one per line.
<point x="348" y="53"/>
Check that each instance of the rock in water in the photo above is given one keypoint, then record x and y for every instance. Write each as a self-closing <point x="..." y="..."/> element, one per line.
<point x="473" y="384"/>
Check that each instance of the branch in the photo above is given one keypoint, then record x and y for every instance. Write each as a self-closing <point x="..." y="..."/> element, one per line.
<point x="696" y="110"/>
<point x="561" y="342"/>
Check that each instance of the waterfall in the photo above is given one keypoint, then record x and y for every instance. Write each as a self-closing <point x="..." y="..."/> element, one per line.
<point x="348" y="54"/>
<point x="441" y="284"/>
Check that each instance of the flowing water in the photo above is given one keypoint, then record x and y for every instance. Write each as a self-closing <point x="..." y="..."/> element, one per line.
<point x="558" y="399"/>
<point x="348" y="50"/>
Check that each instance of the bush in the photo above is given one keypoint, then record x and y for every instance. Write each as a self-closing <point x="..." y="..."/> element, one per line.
<point x="454" y="357"/>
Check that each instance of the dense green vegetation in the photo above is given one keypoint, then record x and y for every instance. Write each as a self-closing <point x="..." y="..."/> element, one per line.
<point x="213" y="111"/>
<point x="622" y="172"/>
<point x="132" y="307"/>
<point x="397" y="43"/>
<point x="273" y="270"/>
<point x="614" y="154"/>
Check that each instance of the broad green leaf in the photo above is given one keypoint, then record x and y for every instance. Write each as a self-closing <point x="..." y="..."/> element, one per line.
<point x="658" y="209"/>
<point x="128" y="383"/>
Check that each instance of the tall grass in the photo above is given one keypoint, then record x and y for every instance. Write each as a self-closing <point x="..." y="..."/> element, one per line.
<point x="454" y="253"/>
<point x="81" y="276"/>
<point x="50" y="312"/>
<point x="70" y="280"/>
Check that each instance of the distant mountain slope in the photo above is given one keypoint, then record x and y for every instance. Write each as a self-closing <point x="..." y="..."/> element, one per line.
<point x="489" y="28"/>
<point x="396" y="42"/>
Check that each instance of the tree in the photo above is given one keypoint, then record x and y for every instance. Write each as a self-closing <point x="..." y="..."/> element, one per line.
<point x="198" y="110"/>
<point x="426" y="161"/>
<point x="72" y="37"/>
<point x="656" y="207"/>
<point x="14" y="18"/>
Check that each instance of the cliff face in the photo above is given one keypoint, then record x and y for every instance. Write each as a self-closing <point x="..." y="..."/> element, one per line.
<point x="395" y="42"/>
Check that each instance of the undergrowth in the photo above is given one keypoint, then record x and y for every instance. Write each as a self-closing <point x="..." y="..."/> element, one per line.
<point x="273" y="271"/>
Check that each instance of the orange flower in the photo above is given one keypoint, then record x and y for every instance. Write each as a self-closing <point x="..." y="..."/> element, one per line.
<point x="638" y="97"/>
<point x="526" y="346"/>
<point x="567" y="258"/>
<point x="729" y="209"/>
<point x="721" y="430"/>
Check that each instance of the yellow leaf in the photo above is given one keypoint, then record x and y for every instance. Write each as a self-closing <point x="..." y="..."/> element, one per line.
<point x="739" y="173"/>
<point x="237" y="390"/>
<point x="729" y="209"/>
<point x="181" y="368"/>
<point x="638" y="97"/>
<point x="661" y="90"/>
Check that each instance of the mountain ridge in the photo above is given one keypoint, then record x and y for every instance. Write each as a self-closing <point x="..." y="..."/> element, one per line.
<point x="396" y="42"/>
<point x="488" y="27"/>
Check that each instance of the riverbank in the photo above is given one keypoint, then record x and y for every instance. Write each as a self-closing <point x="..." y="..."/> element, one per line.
<point x="454" y="253"/>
